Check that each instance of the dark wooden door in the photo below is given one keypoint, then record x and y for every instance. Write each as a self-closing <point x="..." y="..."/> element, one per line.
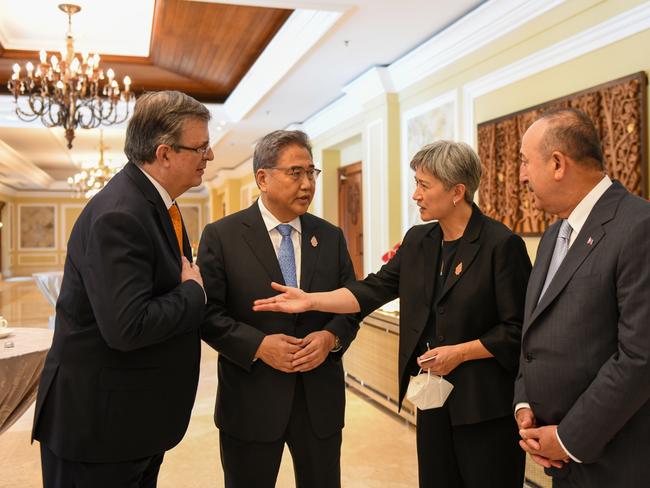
<point x="351" y="213"/>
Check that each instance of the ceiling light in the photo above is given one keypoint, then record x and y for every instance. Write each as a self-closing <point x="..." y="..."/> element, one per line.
<point x="69" y="92"/>
<point x="89" y="181"/>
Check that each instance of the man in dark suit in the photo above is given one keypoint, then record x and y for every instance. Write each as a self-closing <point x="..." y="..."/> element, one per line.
<point x="280" y="375"/>
<point x="582" y="393"/>
<point x="119" y="382"/>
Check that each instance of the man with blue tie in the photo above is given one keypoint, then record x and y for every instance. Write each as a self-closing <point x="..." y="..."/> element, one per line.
<point x="280" y="375"/>
<point x="582" y="396"/>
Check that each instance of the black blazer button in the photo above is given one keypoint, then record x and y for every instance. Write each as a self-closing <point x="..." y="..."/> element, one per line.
<point x="441" y="338"/>
<point x="529" y="358"/>
<point x="441" y="310"/>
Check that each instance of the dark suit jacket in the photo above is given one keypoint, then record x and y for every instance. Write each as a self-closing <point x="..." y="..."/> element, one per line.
<point x="484" y="301"/>
<point x="238" y="263"/>
<point x="586" y="345"/>
<point x="120" y="379"/>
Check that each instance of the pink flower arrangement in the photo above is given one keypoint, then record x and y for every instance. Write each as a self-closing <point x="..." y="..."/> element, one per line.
<point x="390" y="253"/>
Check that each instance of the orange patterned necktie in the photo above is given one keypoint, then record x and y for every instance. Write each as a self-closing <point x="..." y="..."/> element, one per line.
<point x="177" y="222"/>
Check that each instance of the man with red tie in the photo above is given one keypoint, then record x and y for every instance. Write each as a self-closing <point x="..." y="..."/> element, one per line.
<point x="119" y="382"/>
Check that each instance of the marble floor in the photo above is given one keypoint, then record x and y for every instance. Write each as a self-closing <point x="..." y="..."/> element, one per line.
<point x="378" y="447"/>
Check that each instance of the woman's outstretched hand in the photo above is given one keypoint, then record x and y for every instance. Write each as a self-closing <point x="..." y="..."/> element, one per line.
<point x="290" y="300"/>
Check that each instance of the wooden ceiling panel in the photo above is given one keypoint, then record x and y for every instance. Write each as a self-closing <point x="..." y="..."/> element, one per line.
<point x="213" y="43"/>
<point x="203" y="49"/>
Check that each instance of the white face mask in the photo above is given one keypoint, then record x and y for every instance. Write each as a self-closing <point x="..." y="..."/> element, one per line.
<point x="428" y="391"/>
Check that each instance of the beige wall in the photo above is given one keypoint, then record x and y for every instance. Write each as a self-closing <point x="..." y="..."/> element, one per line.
<point x="615" y="60"/>
<point x="19" y="261"/>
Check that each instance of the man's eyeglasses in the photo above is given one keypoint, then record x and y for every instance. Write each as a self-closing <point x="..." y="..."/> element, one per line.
<point x="202" y="150"/>
<point x="298" y="172"/>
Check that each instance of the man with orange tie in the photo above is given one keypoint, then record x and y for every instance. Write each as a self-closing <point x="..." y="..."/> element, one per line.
<point x="120" y="380"/>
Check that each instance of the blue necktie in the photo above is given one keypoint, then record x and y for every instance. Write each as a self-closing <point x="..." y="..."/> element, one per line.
<point x="286" y="256"/>
<point x="559" y="253"/>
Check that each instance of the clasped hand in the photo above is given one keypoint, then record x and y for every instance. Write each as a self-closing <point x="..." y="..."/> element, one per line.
<point x="292" y="355"/>
<point x="540" y="442"/>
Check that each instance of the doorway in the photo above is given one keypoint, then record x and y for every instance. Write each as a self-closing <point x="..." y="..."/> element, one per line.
<point x="351" y="213"/>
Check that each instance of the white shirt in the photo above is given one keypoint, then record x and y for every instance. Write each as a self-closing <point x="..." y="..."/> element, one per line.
<point x="163" y="193"/>
<point x="271" y="222"/>
<point x="577" y="219"/>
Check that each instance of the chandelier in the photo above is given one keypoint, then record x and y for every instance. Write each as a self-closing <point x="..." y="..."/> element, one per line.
<point x="69" y="92"/>
<point x="89" y="181"/>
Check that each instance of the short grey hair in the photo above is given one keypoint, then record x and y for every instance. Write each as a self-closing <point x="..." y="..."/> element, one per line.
<point x="452" y="163"/>
<point x="158" y="119"/>
<point x="268" y="149"/>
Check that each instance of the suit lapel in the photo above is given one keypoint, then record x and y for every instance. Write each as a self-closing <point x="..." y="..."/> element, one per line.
<point x="258" y="239"/>
<point x="467" y="250"/>
<point x="151" y="194"/>
<point x="542" y="262"/>
<point x="431" y="251"/>
<point x="187" y="247"/>
<point x="309" y="252"/>
<point x="586" y="241"/>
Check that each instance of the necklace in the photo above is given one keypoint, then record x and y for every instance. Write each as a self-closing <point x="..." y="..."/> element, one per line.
<point x="442" y="258"/>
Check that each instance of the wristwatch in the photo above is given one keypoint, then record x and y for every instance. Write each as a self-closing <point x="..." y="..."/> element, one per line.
<point x="337" y="344"/>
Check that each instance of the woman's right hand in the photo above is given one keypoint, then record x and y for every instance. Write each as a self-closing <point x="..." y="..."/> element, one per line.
<point x="290" y="300"/>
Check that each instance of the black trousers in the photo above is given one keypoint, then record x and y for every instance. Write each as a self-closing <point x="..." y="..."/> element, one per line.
<point x="482" y="455"/>
<point x="61" y="473"/>
<point x="316" y="461"/>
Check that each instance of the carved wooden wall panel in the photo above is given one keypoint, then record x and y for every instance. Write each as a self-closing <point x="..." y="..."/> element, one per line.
<point x="618" y="109"/>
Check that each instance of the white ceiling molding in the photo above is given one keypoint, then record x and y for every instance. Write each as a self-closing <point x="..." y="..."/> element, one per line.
<point x="302" y="30"/>
<point x="242" y="169"/>
<point x="5" y="190"/>
<point x="289" y="4"/>
<point x="26" y="171"/>
<point x="374" y="82"/>
<point x="612" y="30"/>
<point x="478" y="28"/>
<point x="487" y="23"/>
<point x="331" y="116"/>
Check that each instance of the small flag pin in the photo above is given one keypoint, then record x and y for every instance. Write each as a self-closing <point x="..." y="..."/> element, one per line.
<point x="590" y="241"/>
<point x="459" y="269"/>
<point x="314" y="241"/>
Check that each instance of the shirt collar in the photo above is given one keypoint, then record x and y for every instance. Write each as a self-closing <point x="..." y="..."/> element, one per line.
<point x="271" y="222"/>
<point x="578" y="217"/>
<point x="163" y="193"/>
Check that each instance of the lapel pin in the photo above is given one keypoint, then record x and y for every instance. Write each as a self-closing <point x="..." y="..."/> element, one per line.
<point x="590" y="241"/>
<point x="314" y="241"/>
<point x="459" y="269"/>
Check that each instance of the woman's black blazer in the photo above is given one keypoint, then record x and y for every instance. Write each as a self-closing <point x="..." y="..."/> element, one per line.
<point x="482" y="298"/>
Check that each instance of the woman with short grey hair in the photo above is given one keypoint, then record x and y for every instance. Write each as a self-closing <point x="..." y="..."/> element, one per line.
<point x="461" y="280"/>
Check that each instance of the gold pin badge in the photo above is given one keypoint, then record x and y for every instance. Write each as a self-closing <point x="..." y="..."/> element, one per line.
<point x="459" y="269"/>
<point x="314" y="241"/>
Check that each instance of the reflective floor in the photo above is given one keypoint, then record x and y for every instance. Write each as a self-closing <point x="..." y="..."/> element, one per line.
<point x="378" y="448"/>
